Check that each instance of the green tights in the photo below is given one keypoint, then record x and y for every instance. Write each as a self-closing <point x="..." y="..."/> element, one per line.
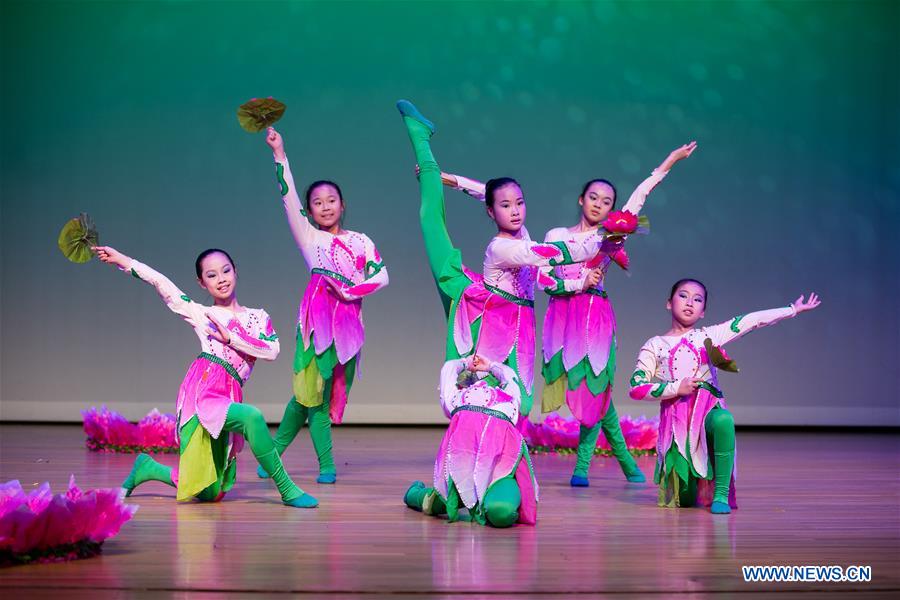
<point x="719" y="427"/>
<point x="587" y="442"/>
<point x="501" y="502"/>
<point x="248" y="421"/>
<point x="295" y="415"/>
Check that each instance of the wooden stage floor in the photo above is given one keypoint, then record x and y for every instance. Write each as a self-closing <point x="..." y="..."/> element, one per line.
<point x="806" y="499"/>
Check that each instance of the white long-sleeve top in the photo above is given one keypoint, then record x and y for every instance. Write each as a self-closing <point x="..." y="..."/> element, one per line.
<point x="665" y="360"/>
<point x="514" y="264"/>
<point x="505" y="398"/>
<point x="250" y="330"/>
<point x="573" y="275"/>
<point x="348" y="259"/>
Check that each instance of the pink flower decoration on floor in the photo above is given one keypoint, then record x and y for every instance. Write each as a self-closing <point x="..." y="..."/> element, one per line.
<point x="41" y="527"/>
<point x="108" y="431"/>
<point x="560" y="434"/>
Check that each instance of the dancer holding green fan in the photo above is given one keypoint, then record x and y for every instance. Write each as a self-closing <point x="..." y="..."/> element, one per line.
<point x="345" y="268"/>
<point x="213" y="422"/>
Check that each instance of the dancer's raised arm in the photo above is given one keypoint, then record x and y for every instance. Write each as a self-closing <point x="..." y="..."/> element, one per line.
<point x="177" y="301"/>
<point x="741" y="325"/>
<point x="304" y="232"/>
<point x="639" y="196"/>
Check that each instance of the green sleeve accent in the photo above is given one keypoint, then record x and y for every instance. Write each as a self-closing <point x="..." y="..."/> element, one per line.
<point x="135" y="274"/>
<point x="186" y="298"/>
<point x="268" y="338"/>
<point x="559" y="289"/>
<point x="567" y="256"/>
<point x="279" y="172"/>
<point x="638" y="377"/>
<point x="658" y="390"/>
<point x="735" y="322"/>
<point x="373" y="268"/>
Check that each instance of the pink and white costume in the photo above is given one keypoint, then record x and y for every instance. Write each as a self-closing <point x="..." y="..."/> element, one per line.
<point x="482" y="445"/>
<point x="579" y="335"/>
<point x="344" y="268"/>
<point x="663" y="362"/>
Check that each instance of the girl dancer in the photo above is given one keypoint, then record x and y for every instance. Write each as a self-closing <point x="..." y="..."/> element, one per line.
<point x="209" y="404"/>
<point x="580" y="327"/>
<point x="483" y="460"/>
<point x="678" y="370"/>
<point x="345" y="268"/>
<point x="493" y="315"/>
<point x="579" y="338"/>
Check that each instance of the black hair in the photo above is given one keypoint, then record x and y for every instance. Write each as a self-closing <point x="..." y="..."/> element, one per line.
<point x="681" y="282"/>
<point x="491" y="187"/>
<point x="320" y="183"/>
<point x="198" y="265"/>
<point x="605" y="182"/>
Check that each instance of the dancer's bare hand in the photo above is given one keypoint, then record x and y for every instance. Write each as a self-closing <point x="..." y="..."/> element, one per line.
<point x="275" y="142"/>
<point x="688" y="386"/>
<point x="801" y="306"/>
<point x="677" y="154"/>
<point x="592" y="279"/>
<point x="111" y="256"/>
<point x="217" y="331"/>
<point x="479" y="363"/>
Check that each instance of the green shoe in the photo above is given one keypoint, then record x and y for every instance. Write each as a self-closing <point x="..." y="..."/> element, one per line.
<point x="135" y="478"/>
<point x="636" y="476"/>
<point x="416" y="485"/>
<point x="304" y="500"/>
<point x="408" y="109"/>
<point x="326" y="478"/>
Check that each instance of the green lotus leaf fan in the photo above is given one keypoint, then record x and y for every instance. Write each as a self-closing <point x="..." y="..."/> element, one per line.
<point x="719" y="358"/>
<point x="77" y="237"/>
<point x="259" y="113"/>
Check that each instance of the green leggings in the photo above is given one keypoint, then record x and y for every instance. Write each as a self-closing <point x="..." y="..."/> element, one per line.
<point x="244" y="419"/>
<point x="432" y="217"/>
<point x="501" y="502"/>
<point x="295" y="415"/>
<point x="587" y="442"/>
<point x="719" y="427"/>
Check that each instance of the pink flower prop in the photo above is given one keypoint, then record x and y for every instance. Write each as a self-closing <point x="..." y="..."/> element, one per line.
<point x="560" y="434"/>
<point x="621" y="221"/>
<point x="108" y="431"/>
<point x="42" y="527"/>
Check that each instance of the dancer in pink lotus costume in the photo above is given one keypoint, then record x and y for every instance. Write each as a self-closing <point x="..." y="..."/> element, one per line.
<point x="696" y="446"/>
<point x="482" y="464"/>
<point x="579" y="337"/>
<point x="212" y="420"/>
<point x="345" y="267"/>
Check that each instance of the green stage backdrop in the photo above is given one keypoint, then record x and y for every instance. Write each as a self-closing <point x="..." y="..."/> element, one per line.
<point x="126" y="110"/>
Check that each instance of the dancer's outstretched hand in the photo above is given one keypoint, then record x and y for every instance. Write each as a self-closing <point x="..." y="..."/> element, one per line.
<point x="801" y="306"/>
<point x="217" y="331"/>
<point x="111" y="256"/>
<point x="677" y="154"/>
<point x="275" y="142"/>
